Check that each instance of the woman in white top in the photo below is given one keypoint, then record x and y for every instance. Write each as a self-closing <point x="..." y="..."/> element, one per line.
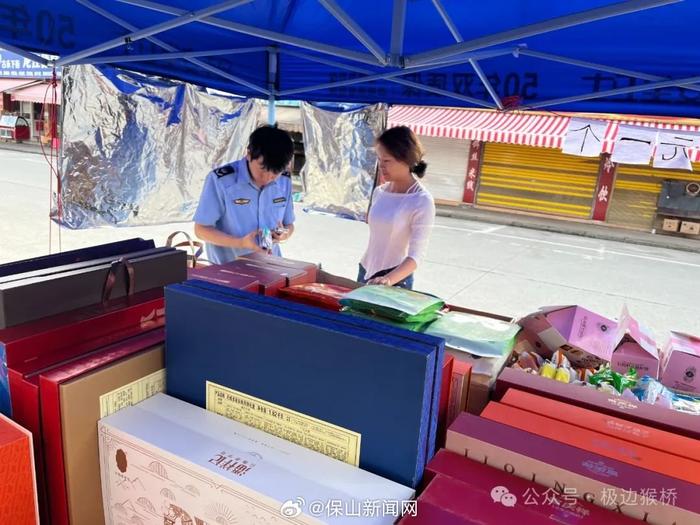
<point x="402" y="213"/>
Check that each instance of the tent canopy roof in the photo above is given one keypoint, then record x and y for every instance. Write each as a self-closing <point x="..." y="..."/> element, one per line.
<point x="578" y="55"/>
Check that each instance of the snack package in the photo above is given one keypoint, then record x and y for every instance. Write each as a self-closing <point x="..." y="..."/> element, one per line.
<point x="606" y="376"/>
<point x="475" y="334"/>
<point x="548" y="370"/>
<point x="649" y="390"/>
<point x="418" y="326"/>
<point x="560" y="360"/>
<point x="529" y="361"/>
<point x="317" y="294"/>
<point x="398" y="304"/>
<point x="266" y="239"/>
<point x="563" y="374"/>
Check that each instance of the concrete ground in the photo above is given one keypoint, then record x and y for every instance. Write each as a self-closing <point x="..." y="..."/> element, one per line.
<point x="499" y="268"/>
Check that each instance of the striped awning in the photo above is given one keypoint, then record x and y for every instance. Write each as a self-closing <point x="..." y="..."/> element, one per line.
<point x="39" y="93"/>
<point x="510" y="127"/>
<point x="7" y="84"/>
<point x="486" y="126"/>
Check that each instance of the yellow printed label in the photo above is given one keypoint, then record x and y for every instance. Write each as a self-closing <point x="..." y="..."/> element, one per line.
<point x="133" y="393"/>
<point x="320" y="436"/>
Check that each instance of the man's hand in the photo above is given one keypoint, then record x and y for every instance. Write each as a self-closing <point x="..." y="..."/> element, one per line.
<point x="249" y="242"/>
<point x="281" y="234"/>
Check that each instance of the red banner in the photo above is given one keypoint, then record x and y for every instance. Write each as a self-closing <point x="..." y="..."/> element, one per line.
<point x="471" y="181"/>
<point x="603" y="193"/>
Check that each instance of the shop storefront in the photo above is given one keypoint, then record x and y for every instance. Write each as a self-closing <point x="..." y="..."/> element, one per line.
<point x="26" y="90"/>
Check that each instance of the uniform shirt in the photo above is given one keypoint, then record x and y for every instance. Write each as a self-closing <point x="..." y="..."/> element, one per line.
<point x="233" y="204"/>
<point x="399" y="226"/>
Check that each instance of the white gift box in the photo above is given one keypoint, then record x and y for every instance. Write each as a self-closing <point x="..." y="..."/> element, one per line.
<point x="165" y="461"/>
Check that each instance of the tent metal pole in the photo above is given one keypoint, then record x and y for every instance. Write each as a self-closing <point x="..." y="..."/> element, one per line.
<point x="281" y="38"/>
<point x="400" y="81"/>
<point x="487" y="84"/>
<point x="169" y="56"/>
<point x="26" y="54"/>
<point x="369" y="78"/>
<point x="614" y="92"/>
<point x="584" y="17"/>
<point x="271" y="82"/>
<point x="184" y="19"/>
<point x="599" y="67"/>
<point x="448" y="21"/>
<point x="126" y="25"/>
<point x="398" y="29"/>
<point x="351" y="25"/>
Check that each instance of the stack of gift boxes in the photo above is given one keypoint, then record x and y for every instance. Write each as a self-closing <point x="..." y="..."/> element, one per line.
<point x="136" y="390"/>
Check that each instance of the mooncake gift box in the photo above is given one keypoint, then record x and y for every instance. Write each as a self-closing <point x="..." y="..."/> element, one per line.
<point x="681" y="363"/>
<point x="623" y="407"/>
<point x="18" y="500"/>
<point x="644" y="435"/>
<point x="74" y="396"/>
<point x="29" y="349"/>
<point x="166" y="461"/>
<point x="561" y="506"/>
<point x="30" y="296"/>
<point x="100" y="251"/>
<point x="610" y="483"/>
<point x="379" y="386"/>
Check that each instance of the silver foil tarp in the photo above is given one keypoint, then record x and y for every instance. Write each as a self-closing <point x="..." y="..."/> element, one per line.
<point x="136" y="150"/>
<point x="341" y="163"/>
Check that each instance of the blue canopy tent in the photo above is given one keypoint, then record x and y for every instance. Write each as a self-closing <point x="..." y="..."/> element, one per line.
<point x="636" y="56"/>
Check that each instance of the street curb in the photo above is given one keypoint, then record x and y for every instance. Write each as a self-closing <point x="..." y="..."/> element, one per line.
<point x="22" y="148"/>
<point x="583" y="230"/>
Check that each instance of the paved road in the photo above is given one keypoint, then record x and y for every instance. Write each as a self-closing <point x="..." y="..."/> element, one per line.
<point x="500" y="269"/>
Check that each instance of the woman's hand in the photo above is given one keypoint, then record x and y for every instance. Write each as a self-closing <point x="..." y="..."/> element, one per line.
<point x="381" y="280"/>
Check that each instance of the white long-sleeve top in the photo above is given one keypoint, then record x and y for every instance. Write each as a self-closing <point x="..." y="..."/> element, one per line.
<point x="399" y="226"/>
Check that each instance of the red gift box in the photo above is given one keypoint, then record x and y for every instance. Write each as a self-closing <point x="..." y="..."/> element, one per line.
<point x="18" y="503"/>
<point x="54" y="432"/>
<point x="34" y="347"/>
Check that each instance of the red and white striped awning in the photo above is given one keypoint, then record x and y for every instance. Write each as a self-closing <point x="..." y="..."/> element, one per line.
<point x="13" y="83"/>
<point x="486" y="126"/>
<point x="511" y="127"/>
<point x="40" y="93"/>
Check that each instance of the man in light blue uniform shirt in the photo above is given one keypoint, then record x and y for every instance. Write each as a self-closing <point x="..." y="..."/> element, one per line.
<point x="241" y="199"/>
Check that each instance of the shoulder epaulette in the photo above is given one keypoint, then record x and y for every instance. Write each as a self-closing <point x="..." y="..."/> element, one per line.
<point x="224" y="170"/>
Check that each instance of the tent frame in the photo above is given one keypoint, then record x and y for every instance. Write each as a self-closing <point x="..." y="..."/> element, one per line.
<point x="394" y="62"/>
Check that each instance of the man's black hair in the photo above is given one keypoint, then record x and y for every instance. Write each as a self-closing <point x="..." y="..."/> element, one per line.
<point x="274" y="145"/>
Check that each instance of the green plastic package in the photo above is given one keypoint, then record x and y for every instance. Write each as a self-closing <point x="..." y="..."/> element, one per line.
<point x="620" y="382"/>
<point x="419" y="326"/>
<point x="394" y="303"/>
<point x="477" y="335"/>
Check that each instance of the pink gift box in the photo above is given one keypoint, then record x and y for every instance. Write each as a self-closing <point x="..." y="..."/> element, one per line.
<point x="681" y="363"/>
<point x="585" y="337"/>
<point x="621" y="487"/>
<point x="634" y="348"/>
<point x="565" y="507"/>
